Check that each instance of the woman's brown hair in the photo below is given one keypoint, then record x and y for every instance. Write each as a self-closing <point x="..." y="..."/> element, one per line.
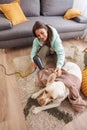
<point x="39" y="25"/>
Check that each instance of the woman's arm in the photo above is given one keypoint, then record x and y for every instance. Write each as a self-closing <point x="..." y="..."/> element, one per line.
<point x="59" y="49"/>
<point x="35" y="48"/>
<point x="60" y="56"/>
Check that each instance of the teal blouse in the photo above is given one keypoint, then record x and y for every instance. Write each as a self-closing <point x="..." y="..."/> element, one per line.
<point x="56" y="44"/>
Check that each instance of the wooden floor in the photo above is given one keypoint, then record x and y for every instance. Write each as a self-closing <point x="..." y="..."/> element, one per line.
<point x="11" y="115"/>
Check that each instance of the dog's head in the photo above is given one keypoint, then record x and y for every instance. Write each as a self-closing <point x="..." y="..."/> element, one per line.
<point x="54" y="89"/>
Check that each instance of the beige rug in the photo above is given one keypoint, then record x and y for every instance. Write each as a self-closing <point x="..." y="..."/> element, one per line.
<point x="55" y="118"/>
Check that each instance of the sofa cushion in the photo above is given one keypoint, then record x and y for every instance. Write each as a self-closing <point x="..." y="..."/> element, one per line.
<point x="24" y="30"/>
<point x="56" y="7"/>
<point x="4" y="23"/>
<point x="81" y="19"/>
<point x="13" y="12"/>
<point x="30" y="7"/>
<point x="72" y="13"/>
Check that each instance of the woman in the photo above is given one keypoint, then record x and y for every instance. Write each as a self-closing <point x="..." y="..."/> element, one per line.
<point x="47" y="41"/>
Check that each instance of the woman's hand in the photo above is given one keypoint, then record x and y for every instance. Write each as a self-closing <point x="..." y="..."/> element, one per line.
<point x="58" y="72"/>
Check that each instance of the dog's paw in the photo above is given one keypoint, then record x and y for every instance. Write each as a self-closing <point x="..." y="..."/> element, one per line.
<point x="34" y="96"/>
<point x="36" y="110"/>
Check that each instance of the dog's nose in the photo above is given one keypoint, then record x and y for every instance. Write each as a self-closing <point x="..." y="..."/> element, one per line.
<point x="41" y="102"/>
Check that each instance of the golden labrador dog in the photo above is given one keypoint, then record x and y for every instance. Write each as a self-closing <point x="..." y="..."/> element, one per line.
<point x="55" y="91"/>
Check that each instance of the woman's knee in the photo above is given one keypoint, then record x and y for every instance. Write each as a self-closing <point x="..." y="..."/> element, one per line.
<point x="43" y="51"/>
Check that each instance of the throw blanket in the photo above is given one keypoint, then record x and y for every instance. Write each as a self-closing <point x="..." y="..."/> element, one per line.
<point x="71" y="81"/>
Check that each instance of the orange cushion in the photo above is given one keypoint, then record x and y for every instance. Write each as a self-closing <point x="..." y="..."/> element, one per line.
<point x="72" y="13"/>
<point x="13" y="12"/>
<point x="84" y="82"/>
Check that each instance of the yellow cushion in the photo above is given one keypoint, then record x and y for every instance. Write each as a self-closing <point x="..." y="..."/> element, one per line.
<point x="72" y="13"/>
<point x="13" y="12"/>
<point x="84" y="82"/>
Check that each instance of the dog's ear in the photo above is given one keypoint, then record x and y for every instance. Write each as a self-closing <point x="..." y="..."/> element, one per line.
<point x="51" y="78"/>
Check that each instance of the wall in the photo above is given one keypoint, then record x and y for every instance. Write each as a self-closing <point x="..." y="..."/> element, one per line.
<point x="82" y="5"/>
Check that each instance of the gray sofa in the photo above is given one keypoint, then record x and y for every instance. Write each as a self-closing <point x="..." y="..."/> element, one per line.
<point x="48" y="11"/>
